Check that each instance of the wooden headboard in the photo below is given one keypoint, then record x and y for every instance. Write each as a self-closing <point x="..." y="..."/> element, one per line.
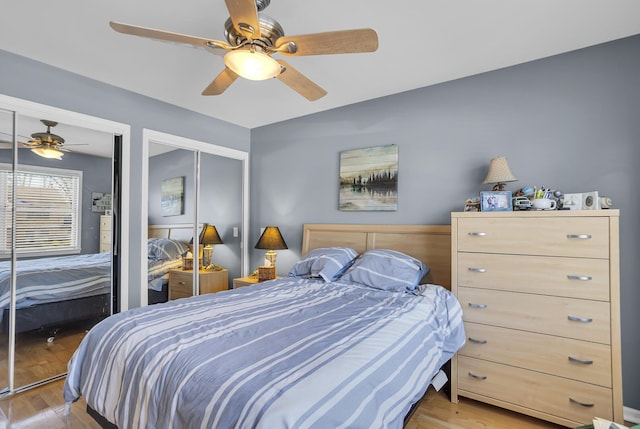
<point x="180" y="232"/>
<point x="429" y="243"/>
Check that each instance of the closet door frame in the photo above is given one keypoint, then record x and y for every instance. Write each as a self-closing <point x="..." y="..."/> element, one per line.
<point x="156" y="137"/>
<point x="21" y="107"/>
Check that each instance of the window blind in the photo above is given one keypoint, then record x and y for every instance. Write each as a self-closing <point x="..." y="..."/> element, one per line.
<point x="47" y="210"/>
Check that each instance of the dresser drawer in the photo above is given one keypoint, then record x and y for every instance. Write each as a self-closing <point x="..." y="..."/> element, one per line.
<point x="564" y="357"/>
<point x="570" y="236"/>
<point x="546" y="275"/>
<point x="181" y="284"/>
<point x="567" y="317"/>
<point x="105" y="223"/>
<point x="555" y="396"/>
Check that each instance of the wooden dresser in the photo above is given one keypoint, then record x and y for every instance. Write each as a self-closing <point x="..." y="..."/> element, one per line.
<point x="105" y="233"/>
<point x="540" y="296"/>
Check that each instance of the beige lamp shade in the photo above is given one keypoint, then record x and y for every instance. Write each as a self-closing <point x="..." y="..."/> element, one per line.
<point x="499" y="173"/>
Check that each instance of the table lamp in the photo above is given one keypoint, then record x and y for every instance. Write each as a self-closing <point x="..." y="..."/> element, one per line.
<point x="208" y="237"/>
<point x="499" y="173"/>
<point x="271" y="239"/>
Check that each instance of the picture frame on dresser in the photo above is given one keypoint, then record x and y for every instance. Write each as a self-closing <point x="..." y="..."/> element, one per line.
<point x="494" y="201"/>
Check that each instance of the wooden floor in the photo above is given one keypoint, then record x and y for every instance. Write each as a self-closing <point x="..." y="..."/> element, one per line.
<point x="43" y="407"/>
<point x="38" y="359"/>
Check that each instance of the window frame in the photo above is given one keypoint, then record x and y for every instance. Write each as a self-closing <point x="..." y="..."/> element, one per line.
<point x="76" y="246"/>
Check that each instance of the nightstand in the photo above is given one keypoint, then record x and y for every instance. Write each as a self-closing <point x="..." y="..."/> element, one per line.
<point x="181" y="282"/>
<point x="246" y="281"/>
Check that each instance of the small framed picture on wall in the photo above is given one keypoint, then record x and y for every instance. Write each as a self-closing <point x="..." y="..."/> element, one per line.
<point x="494" y="201"/>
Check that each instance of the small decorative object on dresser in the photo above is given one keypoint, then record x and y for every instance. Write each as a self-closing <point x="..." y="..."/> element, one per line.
<point x="572" y="201"/>
<point x="541" y="300"/>
<point x="590" y="201"/>
<point x="499" y="173"/>
<point x="496" y="201"/>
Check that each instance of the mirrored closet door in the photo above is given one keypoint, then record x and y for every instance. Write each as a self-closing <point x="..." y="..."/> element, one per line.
<point x="56" y="237"/>
<point x="210" y="222"/>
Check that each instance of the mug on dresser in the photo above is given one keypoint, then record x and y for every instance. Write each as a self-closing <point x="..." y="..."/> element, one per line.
<point x="544" y="204"/>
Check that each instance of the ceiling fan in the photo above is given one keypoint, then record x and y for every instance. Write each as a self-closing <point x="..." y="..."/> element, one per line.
<point x="45" y="144"/>
<point x="253" y="38"/>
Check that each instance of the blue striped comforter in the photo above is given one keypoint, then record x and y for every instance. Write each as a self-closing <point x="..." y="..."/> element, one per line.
<point x="289" y="353"/>
<point x="56" y="279"/>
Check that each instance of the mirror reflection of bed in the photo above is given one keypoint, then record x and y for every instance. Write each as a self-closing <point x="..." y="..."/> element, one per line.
<point x="63" y="265"/>
<point x="166" y="247"/>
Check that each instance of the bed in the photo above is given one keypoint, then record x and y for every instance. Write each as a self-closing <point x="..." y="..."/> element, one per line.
<point x="161" y="261"/>
<point x="57" y="291"/>
<point x="350" y="345"/>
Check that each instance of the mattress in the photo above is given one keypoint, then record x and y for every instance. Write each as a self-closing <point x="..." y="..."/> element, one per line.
<point x="285" y="353"/>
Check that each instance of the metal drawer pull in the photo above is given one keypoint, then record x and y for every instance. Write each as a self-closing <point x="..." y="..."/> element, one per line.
<point x="580" y="236"/>
<point x="473" y="340"/>
<point x="581" y="278"/>
<point x="478" y="377"/>
<point x="181" y="283"/>
<point x="584" y="404"/>
<point x="580" y="319"/>
<point x="584" y="362"/>
<point x="478" y="270"/>
<point x="478" y="234"/>
<point x="472" y="305"/>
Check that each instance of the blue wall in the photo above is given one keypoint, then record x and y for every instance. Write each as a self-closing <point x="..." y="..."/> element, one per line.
<point x="570" y="122"/>
<point x="34" y="81"/>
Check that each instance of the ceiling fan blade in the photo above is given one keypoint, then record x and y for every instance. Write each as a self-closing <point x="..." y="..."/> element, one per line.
<point x="221" y="82"/>
<point x="331" y="42"/>
<point x="215" y="46"/>
<point x="244" y="15"/>
<point x="300" y="83"/>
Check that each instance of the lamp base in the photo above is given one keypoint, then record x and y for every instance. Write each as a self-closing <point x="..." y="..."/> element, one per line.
<point x="499" y="187"/>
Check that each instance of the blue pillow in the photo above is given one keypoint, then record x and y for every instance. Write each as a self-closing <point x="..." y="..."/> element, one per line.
<point x="386" y="270"/>
<point x="327" y="262"/>
<point x="164" y="249"/>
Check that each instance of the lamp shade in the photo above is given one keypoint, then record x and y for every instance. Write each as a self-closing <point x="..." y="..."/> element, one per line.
<point x="209" y="235"/>
<point x="48" y="152"/>
<point x="271" y="239"/>
<point x="251" y="64"/>
<point x="499" y="172"/>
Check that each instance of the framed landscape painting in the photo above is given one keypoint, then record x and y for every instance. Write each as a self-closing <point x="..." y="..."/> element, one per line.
<point x="369" y="179"/>
<point x="172" y="196"/>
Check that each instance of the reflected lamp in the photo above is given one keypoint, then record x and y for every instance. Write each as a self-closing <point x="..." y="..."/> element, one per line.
<point x="208" y="237"/>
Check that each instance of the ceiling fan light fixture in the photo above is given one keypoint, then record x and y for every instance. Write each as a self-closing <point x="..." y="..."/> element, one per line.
<point x="252" y="65"/>
<point x="48" y="152"/>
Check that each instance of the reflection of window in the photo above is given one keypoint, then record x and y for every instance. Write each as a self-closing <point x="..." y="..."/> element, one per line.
<point x="47" y="210"/>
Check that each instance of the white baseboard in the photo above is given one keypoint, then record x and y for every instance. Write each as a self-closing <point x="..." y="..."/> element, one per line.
<point x="631" y="415"/>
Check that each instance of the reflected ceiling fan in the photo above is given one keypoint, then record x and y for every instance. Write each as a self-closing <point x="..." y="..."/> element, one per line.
<point x="253" y="38"/>
<point x="45" y="144"/>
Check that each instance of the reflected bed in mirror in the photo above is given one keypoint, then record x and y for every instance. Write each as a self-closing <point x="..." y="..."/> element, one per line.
<point x="165" y="247"/>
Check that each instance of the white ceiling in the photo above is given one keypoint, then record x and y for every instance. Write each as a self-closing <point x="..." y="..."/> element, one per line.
<point x="421" y="43"/>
